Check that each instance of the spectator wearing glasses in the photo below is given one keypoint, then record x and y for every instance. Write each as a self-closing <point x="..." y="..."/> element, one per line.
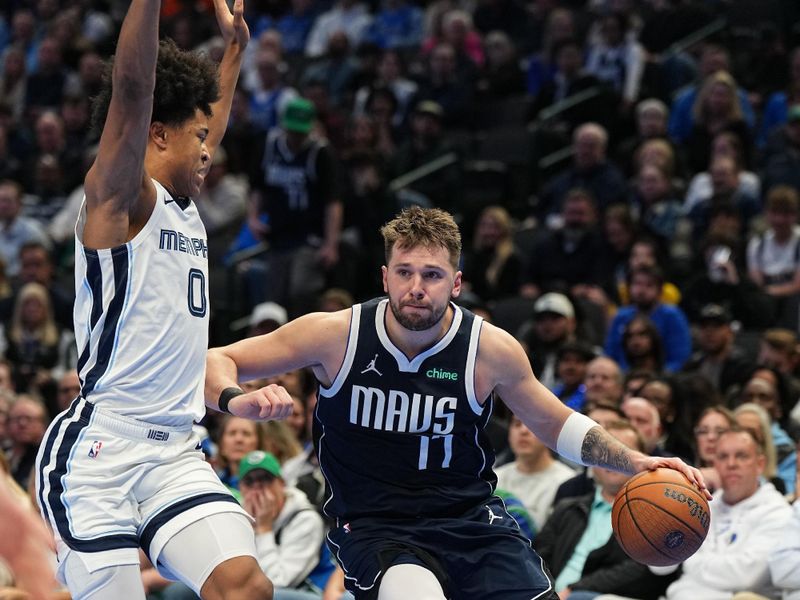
<point x="289" y="531"/>
<point x="778" y="446"/>
<point x="713" y="422"/>
<point x="69" y="386"/>
<point x="26" y="423"/>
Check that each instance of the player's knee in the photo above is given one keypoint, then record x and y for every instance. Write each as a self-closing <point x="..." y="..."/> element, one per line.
<point x="236" y="579"/>
<point x="258" y="586"/>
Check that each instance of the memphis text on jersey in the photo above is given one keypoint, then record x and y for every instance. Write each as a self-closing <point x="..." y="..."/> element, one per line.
<point x="179" y="242"/>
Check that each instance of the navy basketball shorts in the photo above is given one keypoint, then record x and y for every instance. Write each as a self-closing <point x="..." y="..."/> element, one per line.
<point x="480" y="554"/>
<point x="109" y="485"/>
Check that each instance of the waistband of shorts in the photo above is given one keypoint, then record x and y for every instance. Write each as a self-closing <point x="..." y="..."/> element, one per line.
<point x="133" y="428"/>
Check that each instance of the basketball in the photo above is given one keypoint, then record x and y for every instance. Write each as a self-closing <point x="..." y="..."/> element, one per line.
<point x="660" y="518"/>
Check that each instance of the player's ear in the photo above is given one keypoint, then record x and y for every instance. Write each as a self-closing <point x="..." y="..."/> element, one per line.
<point x="158" y="134"/>
<point x="384" y="273"/>
<point x="456" y="285"/>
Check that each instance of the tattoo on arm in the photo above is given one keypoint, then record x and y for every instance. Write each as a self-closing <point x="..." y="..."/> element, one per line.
<point x="603" y="450"/>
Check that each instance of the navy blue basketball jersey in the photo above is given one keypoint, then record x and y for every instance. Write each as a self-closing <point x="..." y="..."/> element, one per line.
<point x="296" y="188"/>
<point x="404" y="438"/>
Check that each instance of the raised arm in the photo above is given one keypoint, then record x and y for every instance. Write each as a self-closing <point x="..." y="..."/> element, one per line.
<point x="117" y="184"/>
<point x="234" y="31"/>
<point x="504" y="368"/>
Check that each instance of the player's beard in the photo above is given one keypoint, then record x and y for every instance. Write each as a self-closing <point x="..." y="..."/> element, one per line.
<point x="417" y="322"/>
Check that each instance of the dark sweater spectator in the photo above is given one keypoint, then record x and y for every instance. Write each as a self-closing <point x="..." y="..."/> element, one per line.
<point x="450" y="84"/>
<point x="590" y="170"/>
<point x="45" y="86"/>
<point x="559" y="26"/>
<point x="427" y="142"/>
<point x="568" y="256"/>
<point x="569" y="78"/>
<point x="509" y="16"/>
<point x="781" y="157"/>
<point x="717" y="357"/>
<point x="502" y="76"/>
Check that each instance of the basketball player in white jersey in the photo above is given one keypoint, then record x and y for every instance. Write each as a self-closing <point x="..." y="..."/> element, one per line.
<point x="121" y="469"/>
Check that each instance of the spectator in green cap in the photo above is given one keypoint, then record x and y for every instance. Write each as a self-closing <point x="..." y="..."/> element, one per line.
<point x="289" y="531"/>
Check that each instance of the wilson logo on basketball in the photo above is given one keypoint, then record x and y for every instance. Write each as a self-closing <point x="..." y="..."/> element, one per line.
<point x="695" y="509"/>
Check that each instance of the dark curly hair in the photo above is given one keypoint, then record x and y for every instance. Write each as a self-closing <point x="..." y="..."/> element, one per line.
<point x="185" y="81"/>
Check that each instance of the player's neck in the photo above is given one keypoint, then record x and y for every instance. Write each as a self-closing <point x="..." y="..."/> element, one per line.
<point x="159" y="170"/>
<point x="412" y="343"/>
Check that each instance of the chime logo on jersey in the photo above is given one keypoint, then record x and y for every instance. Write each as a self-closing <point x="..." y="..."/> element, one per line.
<point x="94" y="450"/>
<point x="397" y="411"/>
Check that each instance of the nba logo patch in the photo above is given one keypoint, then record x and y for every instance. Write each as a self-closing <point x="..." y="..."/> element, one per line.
<point x="346" y="527"/>
<point x="95" y="449"/>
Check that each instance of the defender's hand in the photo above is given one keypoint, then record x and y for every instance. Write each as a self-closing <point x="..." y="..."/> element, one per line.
<point x="232" y="26"/>
<point x="270" y="403"/>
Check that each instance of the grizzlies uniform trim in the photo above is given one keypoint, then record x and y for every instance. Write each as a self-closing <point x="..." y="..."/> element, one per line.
<point x="51" y="486"/>
<point x="107" y="341"/>
<point x="136" y="305"/>
<point x="136" y="484"/>
<point x="156" y="522"/>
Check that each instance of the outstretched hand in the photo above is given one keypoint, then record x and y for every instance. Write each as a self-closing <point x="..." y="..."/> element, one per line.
<point x="269" y="403"/>
<point x="232" y="26"/>
<point x="692" y="474"/>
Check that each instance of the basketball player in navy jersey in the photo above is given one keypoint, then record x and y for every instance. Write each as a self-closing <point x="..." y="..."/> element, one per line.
<point x="121" y="468"/>
<point x="405" y="390"/>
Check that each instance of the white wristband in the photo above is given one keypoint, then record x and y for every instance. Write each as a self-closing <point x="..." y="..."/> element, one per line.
<point x="570" y="440"/>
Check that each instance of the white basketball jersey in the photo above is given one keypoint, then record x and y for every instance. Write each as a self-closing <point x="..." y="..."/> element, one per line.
<point x="141" y="317"/>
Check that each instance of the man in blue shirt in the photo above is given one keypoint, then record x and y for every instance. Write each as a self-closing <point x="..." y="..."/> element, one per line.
<point x="645" y="290"/>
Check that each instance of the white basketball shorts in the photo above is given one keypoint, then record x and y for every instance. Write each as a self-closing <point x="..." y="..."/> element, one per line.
<point x="109" y="485"/>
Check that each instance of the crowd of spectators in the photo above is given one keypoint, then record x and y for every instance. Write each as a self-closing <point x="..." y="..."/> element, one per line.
<point x="626" y="175"/>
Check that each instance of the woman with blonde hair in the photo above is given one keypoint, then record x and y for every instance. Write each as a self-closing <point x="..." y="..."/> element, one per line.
<point x="716" y="109"/>
<point x="280" y="440"/>
<point x="32" y="337"/>
<point x="237" y="437"/>
<point x="712" y="422"/>
<point x="754" y="418"/>
<point x="493" y="266"/>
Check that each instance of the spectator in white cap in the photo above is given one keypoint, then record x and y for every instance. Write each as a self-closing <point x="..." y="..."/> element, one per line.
<point x="266" y="317"/>
<point x="553" y="325"/>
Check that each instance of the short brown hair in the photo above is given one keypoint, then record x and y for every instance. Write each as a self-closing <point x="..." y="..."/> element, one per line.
<point x="780" y="340"/>
<point x="428" y="227"/>
<point x="783" y="198"/>
<point x="625" y="425"/>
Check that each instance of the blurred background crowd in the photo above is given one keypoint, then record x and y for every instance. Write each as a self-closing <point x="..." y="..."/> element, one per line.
<point x="626" y="176"/>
